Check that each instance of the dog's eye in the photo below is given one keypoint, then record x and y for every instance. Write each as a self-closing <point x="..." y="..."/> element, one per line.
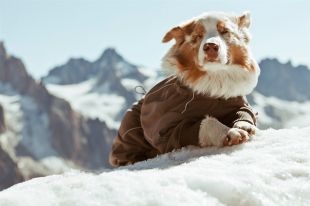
<point x="199" y="36"/>
<point x="196" y="38"/>
<point x="224" y="31"/>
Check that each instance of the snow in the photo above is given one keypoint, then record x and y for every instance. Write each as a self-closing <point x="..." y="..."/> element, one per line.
<point x="124" y="68"/>
<point x="271" y="169"/>
<point x="91" y="104"/>
<point x="130" y="83"/>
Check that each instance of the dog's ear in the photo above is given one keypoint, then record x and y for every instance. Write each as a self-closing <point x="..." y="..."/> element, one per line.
<point x="175" y="33"/>
<point x="244" y="20"/>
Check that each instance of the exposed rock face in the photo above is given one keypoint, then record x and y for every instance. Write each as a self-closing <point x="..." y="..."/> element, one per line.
<point x="74" y="71"/>
<point x="13" y="71"/>
<point x="84" y="141"/>
<point x="96" y="130"/>
<point x="73" y="137"/>
<point x="284" y="81"/>
<point x="9" y="172"/>
<point x="2" y="120"/>
<point x="111" y="60"/>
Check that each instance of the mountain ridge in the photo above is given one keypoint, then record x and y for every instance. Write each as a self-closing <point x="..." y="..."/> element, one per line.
<point x="283" y="80"/>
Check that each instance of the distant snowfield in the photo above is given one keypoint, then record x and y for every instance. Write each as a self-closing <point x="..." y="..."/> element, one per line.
<point x="90" y="103"/>
<point x="271" y="169"/>
<point x="286" y="114"/>
<point x="96" y="102"/>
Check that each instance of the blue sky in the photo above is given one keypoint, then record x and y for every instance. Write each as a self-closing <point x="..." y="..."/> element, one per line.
<point x="46" y="33"/>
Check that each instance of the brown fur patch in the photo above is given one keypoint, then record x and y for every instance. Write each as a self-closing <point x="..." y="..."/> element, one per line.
<point x="176" y="33"/>
<point x="221" y="28"/>
<point x="226" y="33"/>
<point x="244" y="21"/>
<point x="239" y="55"/>
<point x="185" y="52"/>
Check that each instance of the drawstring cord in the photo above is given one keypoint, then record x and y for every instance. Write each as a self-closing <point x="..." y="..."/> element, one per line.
<point x="188" y="103"/>
<point x="131" y="130"/>
<point x="139" y="92"/>
<point x="160" y="88"/>
<point x="143" y="92"/>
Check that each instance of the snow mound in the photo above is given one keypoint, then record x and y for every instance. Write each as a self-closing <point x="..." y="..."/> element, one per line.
<point x="271" y="169"/>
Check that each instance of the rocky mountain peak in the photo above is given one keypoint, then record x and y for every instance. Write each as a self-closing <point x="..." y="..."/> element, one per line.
<point x="14" y="73"/>
<point x="2" y="49"/>
<point x="75" y="61"/>
<point x="110" y="54"/>
<point x="108" y="71"/>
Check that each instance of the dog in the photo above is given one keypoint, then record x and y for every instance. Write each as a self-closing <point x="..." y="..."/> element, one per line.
<point x="203" y="102"/>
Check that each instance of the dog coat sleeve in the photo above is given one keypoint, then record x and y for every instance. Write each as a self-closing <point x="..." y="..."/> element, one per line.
<point x="240" y="111"/>
<point x="177" y="134"/>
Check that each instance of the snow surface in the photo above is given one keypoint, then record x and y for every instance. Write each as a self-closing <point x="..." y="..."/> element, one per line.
<point x="272" y="169"/>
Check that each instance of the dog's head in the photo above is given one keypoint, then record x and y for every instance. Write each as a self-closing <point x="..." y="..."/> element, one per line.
<point x="214" y="45"/>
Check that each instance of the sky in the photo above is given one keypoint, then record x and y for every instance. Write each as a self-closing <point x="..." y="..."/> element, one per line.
<point x="46" y="33"/>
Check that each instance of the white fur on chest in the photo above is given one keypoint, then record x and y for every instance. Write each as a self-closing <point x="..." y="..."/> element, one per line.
<point x="224" y="81"/>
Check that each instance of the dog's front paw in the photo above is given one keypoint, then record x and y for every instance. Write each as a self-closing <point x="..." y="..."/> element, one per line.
<point x="212" y="132"/>
<point x="251" y="129"/>
<point x="235" y="136"/>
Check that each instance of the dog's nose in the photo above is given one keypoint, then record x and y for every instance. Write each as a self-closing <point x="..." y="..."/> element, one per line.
<point x="211" y="50"/>
<point x="210" y="47"/>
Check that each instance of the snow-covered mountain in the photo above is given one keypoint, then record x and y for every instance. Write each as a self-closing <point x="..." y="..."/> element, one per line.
<point x="272" y="169"/>
<point x="41" y="133"/>
<point x="284" y="81"/>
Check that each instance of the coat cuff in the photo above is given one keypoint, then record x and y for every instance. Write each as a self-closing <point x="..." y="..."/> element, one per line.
<point x="245" y="115"/>
<point x="212" y="132"/>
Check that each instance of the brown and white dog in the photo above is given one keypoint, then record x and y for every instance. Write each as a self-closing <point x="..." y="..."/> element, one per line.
<point x="211" y="55"/>
<point x="203" y="103"/>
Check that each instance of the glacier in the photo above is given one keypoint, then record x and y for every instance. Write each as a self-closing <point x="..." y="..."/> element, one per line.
<point x="273" y="168"/>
